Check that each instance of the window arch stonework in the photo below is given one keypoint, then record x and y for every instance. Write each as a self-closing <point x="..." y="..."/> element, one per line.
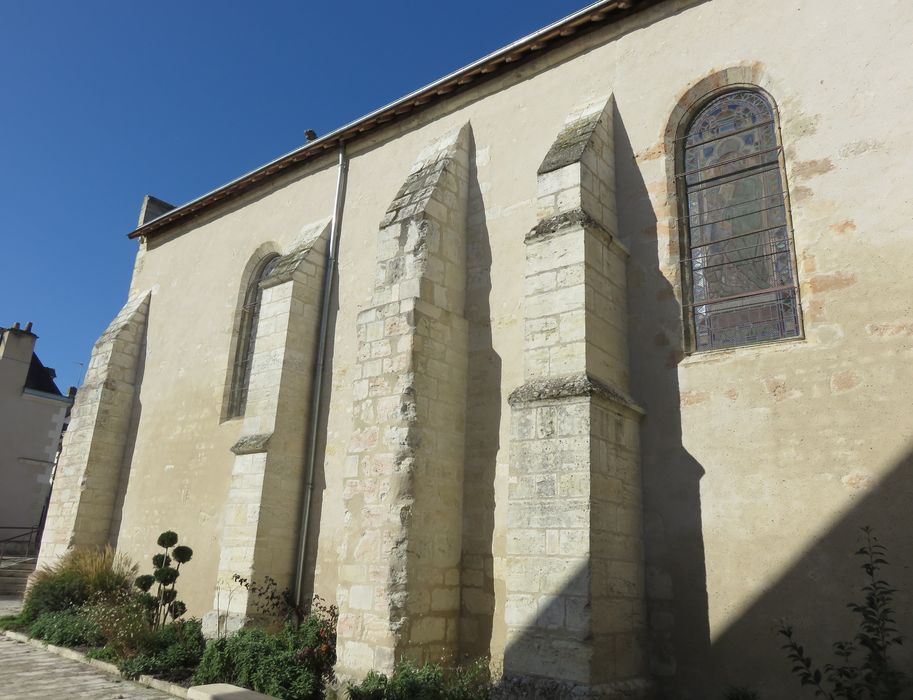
<point x="247" y="337"/>
<point x="738" y="269"/>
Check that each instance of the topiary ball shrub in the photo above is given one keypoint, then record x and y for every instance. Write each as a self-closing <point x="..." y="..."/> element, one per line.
<point x="182" y="554"/>
<point x="144" y="582"/>
<point x="167" y="539"/>
<point x="163" y="579"/>
<point x="67" y="628"/>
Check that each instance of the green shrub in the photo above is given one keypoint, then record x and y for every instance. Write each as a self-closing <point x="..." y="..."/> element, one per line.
<point x="80" y="574"/>
<point x="125" y="621"/>
<point x="104" y="653"/>
<point x="293" y="663"/>
<point x="426" y="682"/>
<point x="866" y="670"/>
<point x="67" y="628"/>
<point x="256" y="659"/>
<point x="12" y="622"/>
<point x="171" y="652"/>
<point x="48" y="594"/>
<point x="269" y="603"/>
<point x="373" y="687"/>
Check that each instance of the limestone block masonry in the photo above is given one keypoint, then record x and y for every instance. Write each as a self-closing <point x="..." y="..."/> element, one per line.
<point x="575" y="581"/>
<point x="264" y="496"/>
<point x="88" y="475"/>
<point x="399" y="574"/>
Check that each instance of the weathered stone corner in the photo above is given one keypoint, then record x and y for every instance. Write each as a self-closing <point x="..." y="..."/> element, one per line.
<point x="574" y="138"/>
<point x="403" y="481"/>
<point x="89" y="471"/>
<point x="578" y="172"/>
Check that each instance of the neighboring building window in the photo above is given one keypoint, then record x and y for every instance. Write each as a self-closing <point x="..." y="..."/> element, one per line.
<point x="247" y="337"/>
<point x="738" y="272"/>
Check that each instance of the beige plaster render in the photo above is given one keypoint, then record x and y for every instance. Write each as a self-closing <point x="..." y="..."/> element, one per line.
<point x="30" y="425"/>
<point x="758" y="463"/>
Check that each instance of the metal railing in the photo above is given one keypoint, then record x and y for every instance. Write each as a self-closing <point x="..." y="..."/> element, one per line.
<point x="29" y="535"/>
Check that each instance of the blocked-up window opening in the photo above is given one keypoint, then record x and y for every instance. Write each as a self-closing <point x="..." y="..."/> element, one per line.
<point x="739" y="274"/>
<point x="247" y="338"/>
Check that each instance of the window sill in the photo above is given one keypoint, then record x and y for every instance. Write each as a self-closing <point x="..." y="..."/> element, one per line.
<point x="704" y="356"/>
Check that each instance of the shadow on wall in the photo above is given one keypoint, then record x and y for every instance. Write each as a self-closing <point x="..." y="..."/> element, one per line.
<point x="130" y="446"/>
<point x="677" y="638"/>
<point x="483" y="420"/>
<point x="676" y="580"/>
<point x="813" y="594"/>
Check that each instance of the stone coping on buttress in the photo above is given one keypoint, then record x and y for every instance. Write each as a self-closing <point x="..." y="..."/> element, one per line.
<point x="570" y="386"/>
<point x="575" y="218"/>
<point x="251" y="444"/>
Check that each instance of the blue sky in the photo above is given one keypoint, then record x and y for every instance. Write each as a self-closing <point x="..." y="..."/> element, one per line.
<point x="104" y="102"/>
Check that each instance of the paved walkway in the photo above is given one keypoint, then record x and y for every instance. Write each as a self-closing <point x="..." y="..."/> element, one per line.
<point x="10" y="605"/>
<point x="29" y="672"/>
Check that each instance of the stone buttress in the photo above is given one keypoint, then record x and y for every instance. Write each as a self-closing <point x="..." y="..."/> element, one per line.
<point x="575" y="602"/>
<point x="399" y="573"/>
<point x="88" y="475"/>
<point x="262" y="514"/>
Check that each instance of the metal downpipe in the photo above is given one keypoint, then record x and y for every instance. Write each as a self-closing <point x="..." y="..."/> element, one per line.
<point x="317" y="390"/>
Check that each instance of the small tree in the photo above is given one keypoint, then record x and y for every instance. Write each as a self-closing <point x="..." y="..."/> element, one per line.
<point x="164" y="603"/>
<point x="270" y="602"/>
<point x="876" y="677"/>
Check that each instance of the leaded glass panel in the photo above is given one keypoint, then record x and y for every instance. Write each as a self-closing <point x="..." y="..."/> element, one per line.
<point x="740" y="265"/>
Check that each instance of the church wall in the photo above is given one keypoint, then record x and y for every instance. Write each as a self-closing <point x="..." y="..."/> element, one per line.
<point x="758" y="462"/>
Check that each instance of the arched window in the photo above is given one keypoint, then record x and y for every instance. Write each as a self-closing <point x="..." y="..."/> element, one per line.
<point x="247" y="337"/>
<point x="738" y="269"/>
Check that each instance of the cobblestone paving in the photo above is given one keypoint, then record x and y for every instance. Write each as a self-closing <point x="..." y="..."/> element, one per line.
<point x="29" y="672"/>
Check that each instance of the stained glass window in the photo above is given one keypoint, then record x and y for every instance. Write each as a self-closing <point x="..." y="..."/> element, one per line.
<point x="247" y="338"/>
<point x="738" y="273"/>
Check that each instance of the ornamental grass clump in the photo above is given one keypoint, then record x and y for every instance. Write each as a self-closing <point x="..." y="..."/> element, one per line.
<point x="80" y="575"/>
<point x="163" y="577"/>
